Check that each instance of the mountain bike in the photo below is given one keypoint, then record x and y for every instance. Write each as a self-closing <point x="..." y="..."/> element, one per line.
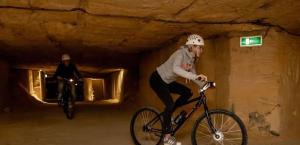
<point x="67" y="100"/>
<point x="213" y="127"/>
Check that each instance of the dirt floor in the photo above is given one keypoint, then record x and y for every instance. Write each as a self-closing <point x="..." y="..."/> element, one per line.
<point x="92" y="125"/>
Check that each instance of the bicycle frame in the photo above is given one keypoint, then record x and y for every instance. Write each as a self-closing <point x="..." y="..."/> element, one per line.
<point x="201" y="100"/>
<point x="67" y="90"/>
<point x="67" y="94"/>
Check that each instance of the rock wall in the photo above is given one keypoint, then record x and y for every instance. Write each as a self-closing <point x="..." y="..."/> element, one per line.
<point x="264" y="82"/>
<point x="4" y="75"/>
<point x="105" y="28"/>
<point x="254" y="81"/>
<point x="289" y="92"/>
<point x="222" y="71"/>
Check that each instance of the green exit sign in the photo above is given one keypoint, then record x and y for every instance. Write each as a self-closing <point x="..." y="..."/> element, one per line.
<point x="250" y="41"/>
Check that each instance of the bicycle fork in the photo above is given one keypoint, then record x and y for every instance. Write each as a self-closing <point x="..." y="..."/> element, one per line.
<point x="209" y="121"/>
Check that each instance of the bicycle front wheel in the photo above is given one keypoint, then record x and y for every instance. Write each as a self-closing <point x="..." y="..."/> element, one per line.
<point x="70" y="112"/>
<point x="230" y="130"/>
<point x="146" y="127"/>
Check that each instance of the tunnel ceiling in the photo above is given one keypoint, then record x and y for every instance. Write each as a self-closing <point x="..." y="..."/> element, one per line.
<point x="42" y="29"/>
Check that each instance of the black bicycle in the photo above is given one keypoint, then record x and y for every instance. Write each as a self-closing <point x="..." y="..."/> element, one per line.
<point x="213" y="127"/>
<point x="67" y="99"/>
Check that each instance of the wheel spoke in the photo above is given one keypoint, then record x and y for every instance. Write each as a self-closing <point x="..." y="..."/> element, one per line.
<point x="222" y="122"/>
<point x="144" y="118"/>
<point x="208" y="135"/>
<point x="221" y="142"/>
<point x="214" y="124"/>
<point x="233" y="139"/>
<point x="226" y="124"/>
<point x="227" y="120"/>
<point x="147" y="117"/>
<point x="210" y="142"/>
<point x="152" y="135"/>
<point x="226" y="132"/>
<point x="205" y="127"/>
<point x="234" y="142"/>
<point x="234" y="124"/>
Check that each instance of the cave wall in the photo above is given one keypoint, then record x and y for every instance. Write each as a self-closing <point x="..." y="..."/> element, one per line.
<point x="4" y="84"/>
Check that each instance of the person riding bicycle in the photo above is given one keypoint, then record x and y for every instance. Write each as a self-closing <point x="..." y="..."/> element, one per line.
<point x="66" y="69"/>
<point x="163" y="79"/>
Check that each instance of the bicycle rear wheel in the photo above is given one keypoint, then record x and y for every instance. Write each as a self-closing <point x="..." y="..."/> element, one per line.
<point x="146" y="127"/>
<point x="230" y="129"/>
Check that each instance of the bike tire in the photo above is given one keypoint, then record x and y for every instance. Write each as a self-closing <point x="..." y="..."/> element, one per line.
<point x="70" y="114"/>
<point x="134" y="127"/>
<point x="69" y="111"/>
<point x="238" y="135"/>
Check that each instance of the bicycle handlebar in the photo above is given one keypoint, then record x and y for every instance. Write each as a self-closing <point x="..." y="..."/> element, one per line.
<point x="207" y="85"/>
<point x="70" y="80"/>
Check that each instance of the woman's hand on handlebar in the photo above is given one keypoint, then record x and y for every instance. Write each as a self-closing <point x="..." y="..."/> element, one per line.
<point x="202" y="77"/>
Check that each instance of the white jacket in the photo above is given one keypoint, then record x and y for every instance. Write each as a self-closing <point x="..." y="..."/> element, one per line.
<point x="180" y="63"/>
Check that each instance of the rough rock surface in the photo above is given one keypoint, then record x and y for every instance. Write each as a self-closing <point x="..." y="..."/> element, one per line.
<point x="89" y="28"/>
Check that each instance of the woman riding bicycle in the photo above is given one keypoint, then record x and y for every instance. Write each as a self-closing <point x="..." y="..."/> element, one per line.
<point x="163" y="79"/>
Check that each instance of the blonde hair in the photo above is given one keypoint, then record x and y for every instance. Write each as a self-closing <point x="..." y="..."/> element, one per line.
<point x="189" y="47"/>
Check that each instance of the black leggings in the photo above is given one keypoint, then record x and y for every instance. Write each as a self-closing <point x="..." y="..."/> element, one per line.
<point x="163" y="91"/>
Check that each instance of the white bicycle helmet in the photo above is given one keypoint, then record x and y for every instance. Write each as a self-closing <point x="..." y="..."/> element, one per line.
<point x="195" y="39"/>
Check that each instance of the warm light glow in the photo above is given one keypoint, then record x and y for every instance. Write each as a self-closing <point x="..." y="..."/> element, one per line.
<point x="110" y="101"/>
<point x="120" y="84"/>
<point x="117" y="84"/>
<point x="91" y="93"/>
<point x="33" y="89"/>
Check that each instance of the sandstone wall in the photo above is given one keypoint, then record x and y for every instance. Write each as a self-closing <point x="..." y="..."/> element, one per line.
<point x="264" y="82"/>
<point x="254" y="81"/>
<point x="4" y="75"/>
<point x="289" y="89"/>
